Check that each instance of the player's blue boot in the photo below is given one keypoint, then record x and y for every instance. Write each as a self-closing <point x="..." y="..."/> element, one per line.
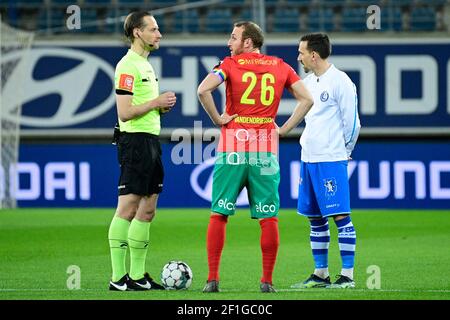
<point x="312" y="282"/>
<point x="342" y="282"/>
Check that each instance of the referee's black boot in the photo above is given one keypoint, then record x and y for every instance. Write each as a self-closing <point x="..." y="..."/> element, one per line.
<point x="121" y="285"/>
<point x="145" y="283"/>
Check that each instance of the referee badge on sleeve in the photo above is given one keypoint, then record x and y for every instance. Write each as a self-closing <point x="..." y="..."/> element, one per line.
<point x="126" y="82"/>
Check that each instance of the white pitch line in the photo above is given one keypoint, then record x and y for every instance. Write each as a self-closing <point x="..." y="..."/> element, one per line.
<point x="59" y="290"/>
<point x="252" y="291"/>
<point x="365" y="290"/>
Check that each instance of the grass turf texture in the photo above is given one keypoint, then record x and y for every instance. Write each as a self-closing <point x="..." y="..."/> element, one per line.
<point x="411" y="248"/>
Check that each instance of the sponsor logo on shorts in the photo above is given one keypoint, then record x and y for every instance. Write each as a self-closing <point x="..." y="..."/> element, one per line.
<point x="265" y="208"/>
<point x="227" y="204"/>
<point x="235" y="159"/>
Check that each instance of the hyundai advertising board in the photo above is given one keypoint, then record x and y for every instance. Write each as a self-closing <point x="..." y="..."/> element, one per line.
<point x="402" y="85"/>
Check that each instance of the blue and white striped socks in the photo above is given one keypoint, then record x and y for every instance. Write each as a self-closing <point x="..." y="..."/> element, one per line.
<point x="320" y="242"/>
<point x="347" y="244"/>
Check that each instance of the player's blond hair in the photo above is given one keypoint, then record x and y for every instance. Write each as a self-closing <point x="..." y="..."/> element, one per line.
<point x="251" y="31"/>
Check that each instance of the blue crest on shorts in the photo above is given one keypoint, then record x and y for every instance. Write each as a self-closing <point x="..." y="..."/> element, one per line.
<point x="330" y="187"/>
<point x="324" y="96"/>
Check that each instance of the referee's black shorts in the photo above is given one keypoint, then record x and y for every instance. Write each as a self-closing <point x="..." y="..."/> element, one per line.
<point x="141" y="169"/>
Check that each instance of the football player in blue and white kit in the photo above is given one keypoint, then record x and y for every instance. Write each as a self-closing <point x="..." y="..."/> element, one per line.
<point x="332" y="128"/>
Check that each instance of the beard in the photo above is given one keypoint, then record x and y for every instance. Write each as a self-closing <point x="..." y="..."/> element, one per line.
<point x="238" y="51"/>
<point x="305" y="68"/>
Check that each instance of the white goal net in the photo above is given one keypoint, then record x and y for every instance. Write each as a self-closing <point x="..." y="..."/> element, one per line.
<point x="15" y="46"/>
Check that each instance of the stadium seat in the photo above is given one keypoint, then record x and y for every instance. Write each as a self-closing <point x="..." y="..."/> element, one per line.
<point x="354" y="19"/>
<point x="104" y="3"/>
<point x="432" y="2"/>
<point x="130" y="2"/>
<point x="186" y="21"/>
<point x="286" y="20"/>
<point x="423" y="19"/>
<point x="63" y="2"/>
<point x="299" y="2"/>
<point x="22" y="3"/>
<point x="244" y="15"/>
<point x="218" y="21"/>
<point x="391" y="19"/>
<point x="133" y="4"/>
<point x="363" y="2"/>
<point x="98" y="2"/>
<point x="90" y="16"/>
<point x="320" y="19"/>
<point x="117" y="25"/>
<point x="330" y="3"/>
<point x="53" y="18"/>
<point x="272" y="3"/>
<point x="402" y="3"/>
<point x="241" y="2"/>
<point x="163" y="3"/>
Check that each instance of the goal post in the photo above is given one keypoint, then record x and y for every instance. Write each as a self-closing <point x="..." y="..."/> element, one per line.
<point x="15" y="46"/>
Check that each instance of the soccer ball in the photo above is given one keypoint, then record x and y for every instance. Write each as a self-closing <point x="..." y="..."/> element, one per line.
<point x="176" y="275"/>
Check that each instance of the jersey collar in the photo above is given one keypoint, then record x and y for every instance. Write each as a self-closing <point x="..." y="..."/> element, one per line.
<point x="325" y="74"/>
<point x="134" y="55"/>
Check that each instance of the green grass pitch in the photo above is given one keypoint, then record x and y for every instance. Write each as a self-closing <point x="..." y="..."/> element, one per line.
<point x="410" y="248"/>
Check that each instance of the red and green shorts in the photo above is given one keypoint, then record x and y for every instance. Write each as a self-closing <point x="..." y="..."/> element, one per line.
<point x="259" y="172"/>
